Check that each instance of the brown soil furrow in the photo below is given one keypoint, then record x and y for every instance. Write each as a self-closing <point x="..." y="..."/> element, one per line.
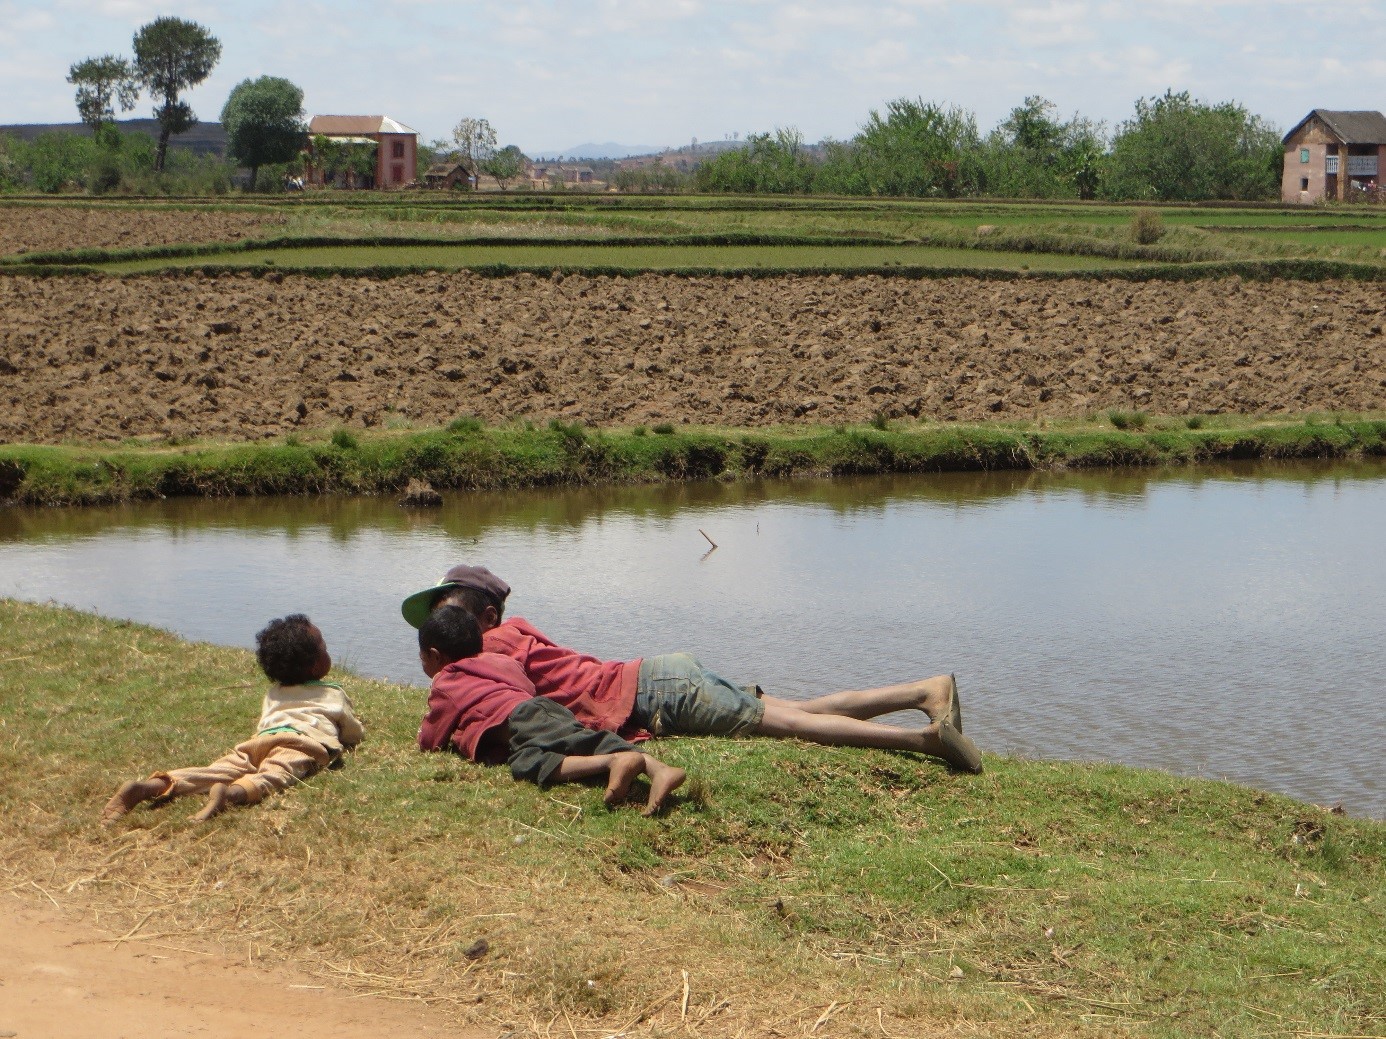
<point x="241" y="357"/>
<point x="26" y="229"/>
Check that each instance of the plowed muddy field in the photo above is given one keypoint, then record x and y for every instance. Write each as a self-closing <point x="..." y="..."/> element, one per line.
<point x="239" y="357"/>
<point x="33" y="229"/>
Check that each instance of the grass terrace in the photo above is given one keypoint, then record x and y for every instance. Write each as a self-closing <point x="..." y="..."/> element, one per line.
<point x="469" y="455"/>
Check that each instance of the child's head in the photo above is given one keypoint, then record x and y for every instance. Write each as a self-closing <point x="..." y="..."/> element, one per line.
<point x="291" y="650"/>
<point x="449" y="633"/>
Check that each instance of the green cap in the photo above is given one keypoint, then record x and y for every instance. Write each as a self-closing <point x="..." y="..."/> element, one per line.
<point x="418" y="606"/>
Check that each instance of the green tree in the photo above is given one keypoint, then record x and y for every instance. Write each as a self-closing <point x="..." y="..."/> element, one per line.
<point x="1178" y="149"/>
<point x="335" y="158"/>
<point x="917" y="148"/>
<point x="505" y="165"/>
<point x="476" y="140"/>
<point x="775" y="163"/>
<point x="171" y="55"/>
<point x="1033" y="155"/>
<point x="263" y="119"/>
<point x="9" y="164"/>
<point x="56" y="161"/>
<point x="426" y="155"/>
<point x="102" y="84"/>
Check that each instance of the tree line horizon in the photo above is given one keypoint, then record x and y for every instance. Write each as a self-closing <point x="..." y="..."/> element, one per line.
<point x="1174" y="147"/>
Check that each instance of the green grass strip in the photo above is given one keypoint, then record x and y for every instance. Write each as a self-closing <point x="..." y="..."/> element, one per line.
<point x="468" y="456"/>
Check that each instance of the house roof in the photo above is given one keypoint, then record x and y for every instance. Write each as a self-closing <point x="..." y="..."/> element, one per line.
<point x="356" y="125"/>
<point x="1360" y="127"/>
<point x="442" y="169"/>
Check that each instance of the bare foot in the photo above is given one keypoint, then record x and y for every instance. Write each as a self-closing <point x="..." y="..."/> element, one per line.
<point x="939" y="700"/>
<point x="130" y="794"/>
<point x="626" y="767"/>
<point x="219" y="798"/>
<point x="664" y="780"/>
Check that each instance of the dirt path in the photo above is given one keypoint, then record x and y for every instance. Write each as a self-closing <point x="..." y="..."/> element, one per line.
<point x="241" y="358"/>
<point x="61" y="979"/>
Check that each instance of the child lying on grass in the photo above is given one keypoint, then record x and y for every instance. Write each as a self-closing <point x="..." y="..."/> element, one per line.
<point x="483" y="706"/>
<point x="305" y="725"/>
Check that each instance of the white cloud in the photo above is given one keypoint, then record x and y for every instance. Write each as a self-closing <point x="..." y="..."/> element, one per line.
<point x="549" y="75"/>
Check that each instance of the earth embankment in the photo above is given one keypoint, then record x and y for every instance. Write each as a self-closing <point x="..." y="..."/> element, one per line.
<point x="241" y="357"/>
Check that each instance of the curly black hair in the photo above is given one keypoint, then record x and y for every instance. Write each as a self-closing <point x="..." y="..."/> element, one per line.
<point x="287" y="649"/>
<point x="452" y="631"/>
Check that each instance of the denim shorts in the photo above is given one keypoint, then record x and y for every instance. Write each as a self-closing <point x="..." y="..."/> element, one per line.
<point x="677" y="696"/>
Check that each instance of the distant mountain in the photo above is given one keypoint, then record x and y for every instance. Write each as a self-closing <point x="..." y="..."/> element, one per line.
<point x="609" y="150"/>
<point x="204" y="138"/>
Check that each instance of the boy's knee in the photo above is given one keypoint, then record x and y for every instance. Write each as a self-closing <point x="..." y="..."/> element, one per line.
<point x="252" y="790"/>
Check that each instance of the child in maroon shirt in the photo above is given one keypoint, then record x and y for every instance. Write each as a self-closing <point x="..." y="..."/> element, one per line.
<point x="483" y="706"/>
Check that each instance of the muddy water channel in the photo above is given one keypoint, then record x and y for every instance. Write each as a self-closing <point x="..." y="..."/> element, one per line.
<point x="1223" y="623"/>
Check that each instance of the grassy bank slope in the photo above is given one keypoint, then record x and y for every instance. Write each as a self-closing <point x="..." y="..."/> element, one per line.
<point x="467" y="455"/>
<point x="791" y="891"/>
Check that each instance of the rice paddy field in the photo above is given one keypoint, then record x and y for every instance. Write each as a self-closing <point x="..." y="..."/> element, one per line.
<point x="659" y="233"/>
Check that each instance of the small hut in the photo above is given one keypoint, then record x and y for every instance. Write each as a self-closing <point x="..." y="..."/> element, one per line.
<point x="449" y="175"/>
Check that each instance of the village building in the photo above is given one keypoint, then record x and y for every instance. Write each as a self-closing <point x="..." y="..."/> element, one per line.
<point x="396" y="149"/>
<point x="452" y="174"/>
<point x="542" y="175"/>
<point x="1333" y="155"/>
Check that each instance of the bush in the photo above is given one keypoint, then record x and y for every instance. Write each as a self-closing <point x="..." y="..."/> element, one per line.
<point x="56" y="161"/>
<point x="1127" y="419"/>
<point x="1147" y="227"/>
<point x="465" y="425"/>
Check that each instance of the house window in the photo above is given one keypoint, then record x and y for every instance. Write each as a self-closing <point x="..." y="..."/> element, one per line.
<point x="1303" y="154"/>
<point x="397" y="151"/>
<point x="1303" y="183"/>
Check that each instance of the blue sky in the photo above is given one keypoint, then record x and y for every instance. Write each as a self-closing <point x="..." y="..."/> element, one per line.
<point x="659" y="72"/>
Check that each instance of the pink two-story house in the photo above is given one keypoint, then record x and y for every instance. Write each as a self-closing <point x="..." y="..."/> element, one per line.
<point x="396" y="145"/>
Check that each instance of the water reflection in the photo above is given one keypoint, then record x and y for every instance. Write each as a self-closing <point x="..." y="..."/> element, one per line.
<point x="1223" y="621"/>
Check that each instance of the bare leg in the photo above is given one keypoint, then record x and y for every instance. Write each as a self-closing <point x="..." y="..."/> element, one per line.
<point x="838" y="731"/>
<point x="929" y="695"/>
<point x="664" y="780"/>
<point x="130" y="794"/>
<point x="219" y="798"/>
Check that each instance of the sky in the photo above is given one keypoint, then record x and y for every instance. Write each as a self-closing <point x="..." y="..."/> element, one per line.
<point x="552" y="75"/>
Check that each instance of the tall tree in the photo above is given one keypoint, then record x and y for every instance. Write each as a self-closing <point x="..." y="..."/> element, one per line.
<point x="918" y="148"/>
<point x="263" y="119"/>
<point x="171" y="55"/>
<point x="102" y="84"/>
<point x="476" y="140"/>
<point x="1178" y="149"/>
<point x="505" y="165"/>
<point x="1033" y="155"/>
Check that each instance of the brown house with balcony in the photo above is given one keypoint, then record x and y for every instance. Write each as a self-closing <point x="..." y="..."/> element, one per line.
<point x="396" y="147"/>
<point x="1333" y="155"/>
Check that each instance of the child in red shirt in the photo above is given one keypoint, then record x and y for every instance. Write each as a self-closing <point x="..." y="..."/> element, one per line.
<point x="483" y="706"/>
